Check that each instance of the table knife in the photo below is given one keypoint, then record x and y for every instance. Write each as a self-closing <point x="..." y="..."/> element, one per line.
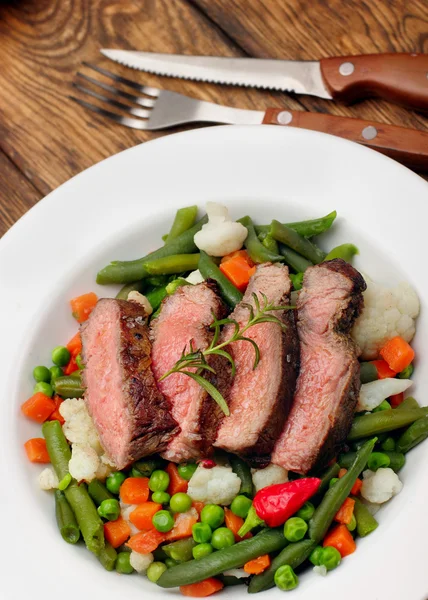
<point x="401" y="78"/>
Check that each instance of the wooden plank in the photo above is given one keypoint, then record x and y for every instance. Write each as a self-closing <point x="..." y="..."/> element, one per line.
<point x="17" y="194"/>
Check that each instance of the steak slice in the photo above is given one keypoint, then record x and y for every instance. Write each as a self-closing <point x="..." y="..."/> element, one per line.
<point x="260" y="399"/>
<point x="131" y="416"/>
<point x="185" y="317"/>
<point x="329" y="381"/>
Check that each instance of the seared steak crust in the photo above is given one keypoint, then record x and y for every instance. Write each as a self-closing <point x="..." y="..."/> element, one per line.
<point x="329" y="382"/>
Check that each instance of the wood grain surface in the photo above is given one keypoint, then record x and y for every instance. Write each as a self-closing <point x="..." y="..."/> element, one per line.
<point x="45" y="138"/>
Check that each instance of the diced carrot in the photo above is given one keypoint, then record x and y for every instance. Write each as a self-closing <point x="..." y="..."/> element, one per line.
<point x="396" y="400"/>
<point x="345" y="512"/>
<point x="74" y="346"/>
<point x="258" y="565"/>
<point x="36" y="450"/>
<point x="142" y="516"/>
<point x="183" y="526"/>
<point x="342" y="472"/>
<point x="198" y="506"/>
<point x="341" y="539"/>
<point x="117" y="532"/>
<point x="134" y="490"/>
<point x="397" y="353"/>
<point x="238" y="253"/>
<point x="238" y="271"/>
<point x="146" y="541"/>
<point x="82" y="306"/>
<point x="176" y="483"/>
<point x="72" y="366"/>
<point x="39" y="407"/>
<point x="56" y="415"/>
<point x="202" y="589"/>
<point x="234" y="523"/>
<point x="383" y="370"/>
<point x="356" y="487"/>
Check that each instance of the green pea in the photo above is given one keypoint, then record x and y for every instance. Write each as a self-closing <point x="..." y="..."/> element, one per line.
<point x="160" y="497"/>
<point x="333" y="481"/>
<point x="186" y="471"/>
<point x="388" y="445"/>
<point x="56" y="372"/>
<point x="202" y="550"/>
<point x="61" y="356"/>
<point x="378" y="460"/>
<point x="109" y="509"/>
<point x="114" y="481"/>
<point x="213" y="515"/>
<point x="385" y="405"/>
<point x="315" y="556"/>
<point x="222" y="538"/>
<point x="123" y="563"/>
<point x="170" y="562"/>
<point x="155" y="570"/>
<point x="285" y="578"/>
<point x="44" y="387"/>
<point x="406" y="373"/>
<point x="240" y="506"/>
<point x="180" y="502"/>
<point x="79" y="361"/>
<point x="201" y="532"/>
<point x="163" y="521"/>
<point x="295" y="529"/>
<point x="330" y="558"/>
<point x="42" y="374"/>
<point x="159" y="481"/>
<point x="353" y="524"/>
<point x="306" y="512"/>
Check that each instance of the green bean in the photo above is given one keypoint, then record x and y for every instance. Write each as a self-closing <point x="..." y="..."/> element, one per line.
<point x="296" y="242"/>
<point x="175" y="284"/>
<point x="107" y="557"/>
<point x="257" y="252"/>
<point x="136" y="286"/>
<point x="386" y="420"/>
<point x="366" y="523"/>
<point x="326" y="477"/>
<point x="414" y="435"/>
<point x="243" y="471"/>
<point x="98" y="492"/>
<point x="336" y="495"/>
<point x="306" y="228"/>
<point x="65" y="519"/>
<point x="147" y="466"/>
<point x="156" y="296"/>
<point x="184" y="219"/>
<point x="77" y="496"/>
<point x="209" y="270"/>
<point x="293" y="555"/>
<point x="134" y="270"/>
<point x="397" y="460"/>
<point x="176" y="263"/>
<point x="269" y="243"/>
<point x="408" y="402"/>
<point x="345" y="251"/>
<point x="368" y="372"/>
<point x="265" y="542"/>
<point x="68" y="386"/>
<point x="297" y="280"/>
<point x="181" y="550"/>
<point x="293" y="259"/>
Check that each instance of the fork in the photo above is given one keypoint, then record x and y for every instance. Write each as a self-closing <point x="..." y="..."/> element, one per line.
<point x="160" y="109"/>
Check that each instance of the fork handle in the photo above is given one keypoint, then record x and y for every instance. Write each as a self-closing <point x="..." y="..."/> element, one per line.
<point x="407" y="146"/>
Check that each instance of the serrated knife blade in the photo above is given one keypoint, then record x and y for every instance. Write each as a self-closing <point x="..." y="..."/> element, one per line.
<point x="300" y="77"/>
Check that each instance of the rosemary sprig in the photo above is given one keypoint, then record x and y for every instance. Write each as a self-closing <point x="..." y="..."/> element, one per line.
<point x="197" y="359"/>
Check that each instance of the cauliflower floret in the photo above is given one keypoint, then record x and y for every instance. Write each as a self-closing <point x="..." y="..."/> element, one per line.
<point x="375" y="392"/>
<point x="195" y="277"/>
<point x="387" y="312"/>
<point x="48" y="479"/>
<point x="135" y="296"/>
<point x="79" y="427"/>
<point x="380" y="486"/>
<point x="140" y="562"/>
<point x="320" y="570"/>
<point x="125" y="511"/>
<point x="218" y="485"/>
<point x="221" y="235"/>
<point x="84" y="462"/>
<point x="269" y="476"/>
<point x="238" y="573"/>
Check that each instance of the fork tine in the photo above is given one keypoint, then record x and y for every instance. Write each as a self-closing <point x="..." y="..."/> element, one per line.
<point x="127" y="121"/>
<point x="143" y="89"/>
<point x="146" y="102"/>
<point x="137" y="112"/>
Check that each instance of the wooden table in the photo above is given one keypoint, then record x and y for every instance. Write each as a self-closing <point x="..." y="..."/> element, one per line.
<point x="45" y="138"/>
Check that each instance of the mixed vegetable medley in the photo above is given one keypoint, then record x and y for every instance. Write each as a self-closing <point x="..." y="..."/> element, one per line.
<point x="204" y="526"/>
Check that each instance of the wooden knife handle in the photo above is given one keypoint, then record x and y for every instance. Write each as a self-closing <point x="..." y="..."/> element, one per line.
<point x="400" y="78"/>
<point x="407" y="146"/>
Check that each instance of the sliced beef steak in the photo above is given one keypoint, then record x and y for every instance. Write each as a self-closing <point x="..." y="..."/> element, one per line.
<point x="329" y="382"/>
<point x="185" y="317"/>
<point x="132" y="417"/>
<point x="260" y="399"/>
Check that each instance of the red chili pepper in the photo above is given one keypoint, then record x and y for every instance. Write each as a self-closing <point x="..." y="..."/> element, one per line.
<point x="277" y="503"/>
<point x="207" y="463"/>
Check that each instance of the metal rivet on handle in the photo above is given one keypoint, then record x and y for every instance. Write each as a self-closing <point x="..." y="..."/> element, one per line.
<point x="284" y="117"/>
<point x="346" y="68"/>
<point x="369" y="132"/>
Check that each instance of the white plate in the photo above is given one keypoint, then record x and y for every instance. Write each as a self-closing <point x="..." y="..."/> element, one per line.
<point x="119" y="209"/>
